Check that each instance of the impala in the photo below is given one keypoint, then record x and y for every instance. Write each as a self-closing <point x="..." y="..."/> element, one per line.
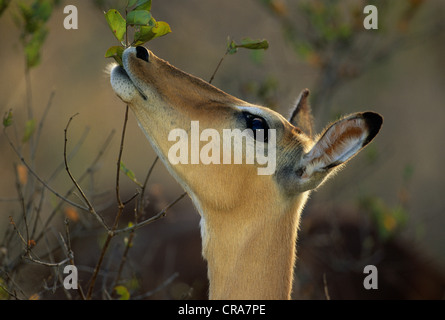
<point x="249" y="221"/>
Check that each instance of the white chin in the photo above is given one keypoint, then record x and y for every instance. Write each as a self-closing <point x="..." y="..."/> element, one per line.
<point x="121" y="83"/>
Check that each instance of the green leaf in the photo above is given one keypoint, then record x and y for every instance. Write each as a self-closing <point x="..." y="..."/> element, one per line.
<point x="4" y="5"/>
<point x="143" y="5"/>
<point x="161" y="29"/>
<point x="116" y="53"/>
<point x="7" y="119"/>
<point x="129" y="174"/>
<point x="33" y="46"/>
<point x="4" y="295"/>
<point x="31" y="25"/>
<point x="30" y="127"/>
<point x="143" y="35"/>
<point x="131" y="3"/>
<point x="253" y="44"/>
<point x="232" y="46"/>
<point x="147" y="33"/>
<point x="140" y="4"/>
<point x="116" y="23"/>
<point x="138" y="17"/>
<point x="122" y="292"/>
<point x="42" y="10"/>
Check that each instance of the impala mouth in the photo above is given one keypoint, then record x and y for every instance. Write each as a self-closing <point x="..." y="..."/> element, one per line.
<point x="123" y="85"/>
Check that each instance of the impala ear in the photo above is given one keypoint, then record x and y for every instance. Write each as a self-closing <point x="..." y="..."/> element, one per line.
<point x="301" y="116"/>
<point x="338" y="144"/>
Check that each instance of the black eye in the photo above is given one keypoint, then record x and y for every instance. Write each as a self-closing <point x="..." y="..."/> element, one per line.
<point x="259" y="127"/>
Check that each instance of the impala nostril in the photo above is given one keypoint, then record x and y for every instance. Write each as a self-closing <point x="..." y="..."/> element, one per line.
<point x="142" y="53"/>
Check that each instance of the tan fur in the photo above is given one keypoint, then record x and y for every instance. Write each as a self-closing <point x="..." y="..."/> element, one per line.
<point x="249" y="221"/>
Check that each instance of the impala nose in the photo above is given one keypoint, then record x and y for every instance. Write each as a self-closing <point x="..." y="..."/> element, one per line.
<point x="142" y="53"/>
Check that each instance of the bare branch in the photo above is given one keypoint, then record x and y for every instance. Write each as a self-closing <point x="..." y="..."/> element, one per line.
<point x="119" y="159"/>
<point x="7" y="277"/>
<point x="22" y="203"/>
<point x="158" y="216"/>
<point x="141" y="203"/>
<point x="11" y="220"/>
<point x="82" y="177"/>
<point x="10" y="293"/>
<point x="118" y="215"/>
<point x="47" y="264"/>
<point x="71" y="154"/>
<point x="217" y="67"/>
<point x="30" y="170"/>
<point x="42" y="120"/>
<point x="85" y="198"/>
<point x="70" y="253"/>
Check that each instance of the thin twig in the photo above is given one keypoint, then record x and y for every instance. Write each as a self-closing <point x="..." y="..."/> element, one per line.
<point x="11" y="221"/>
<point x="217" y="67"/>
<point x="131" y="198"/>
<point x="82" y="177"/>
<point x="70" y="254"/>
<point x="118" y="215"/>
<point x="28" y="251"/>
<point x="71" y="154"/>
<point x="37" y="213"/>
<point x="22" y="203"/>
<point x="11" y="294"/>
<point x="123" y="260"/>
<point x="84" y="197"/>
<point x="158" y="216"/>
<point x="47" y="264"/>
<point x="150" y="171"/>
<point x="43" y="182"/>
<point x="119" y="158"/>
<point x="7" y="277"/>
<point x="42" y="120"/>
<point x="55" y="210"/>
<point x="140" y="204"/>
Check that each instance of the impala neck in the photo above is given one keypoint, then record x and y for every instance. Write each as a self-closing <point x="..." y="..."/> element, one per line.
<point x="253" y="257"/>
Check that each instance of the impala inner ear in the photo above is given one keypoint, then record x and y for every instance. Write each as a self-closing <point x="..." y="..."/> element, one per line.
<point x="342" y="141"/>
<point x="301" y="116"/>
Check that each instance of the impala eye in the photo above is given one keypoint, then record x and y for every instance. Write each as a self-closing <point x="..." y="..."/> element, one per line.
<point x="259" y="127"/>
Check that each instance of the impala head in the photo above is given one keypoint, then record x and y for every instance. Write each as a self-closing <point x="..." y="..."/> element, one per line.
<point x="230" y="195"/>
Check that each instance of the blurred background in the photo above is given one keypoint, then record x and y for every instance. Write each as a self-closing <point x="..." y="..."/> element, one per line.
<point x="385" y="208"/>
